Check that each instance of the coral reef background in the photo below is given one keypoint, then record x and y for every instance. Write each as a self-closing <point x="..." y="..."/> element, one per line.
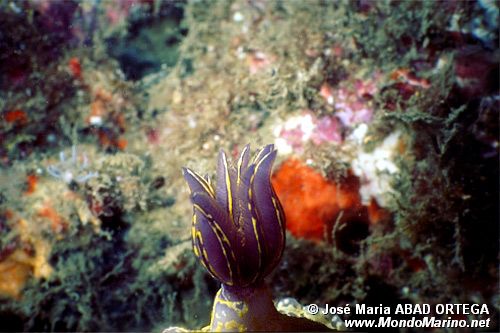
<point x="384" y="114"/>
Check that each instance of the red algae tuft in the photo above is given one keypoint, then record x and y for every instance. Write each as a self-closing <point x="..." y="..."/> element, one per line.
<point x="75" y="67"/>
<point x="18" y="117"/>
<point x="58" y="223"/>
<point x="31" y="182"/>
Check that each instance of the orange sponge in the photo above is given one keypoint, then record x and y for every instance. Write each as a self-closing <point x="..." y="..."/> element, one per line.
<point x="311" y="202"/>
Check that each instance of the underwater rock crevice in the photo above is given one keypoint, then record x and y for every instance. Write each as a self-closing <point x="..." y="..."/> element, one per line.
<point x="151" y="42"/>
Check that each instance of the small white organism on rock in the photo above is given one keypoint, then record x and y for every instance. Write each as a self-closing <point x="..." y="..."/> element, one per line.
<point x="71" y="170"/>
<point x="376" y="169"/>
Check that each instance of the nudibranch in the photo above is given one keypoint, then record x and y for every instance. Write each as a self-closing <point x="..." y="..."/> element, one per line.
<point x="238" y="235"/>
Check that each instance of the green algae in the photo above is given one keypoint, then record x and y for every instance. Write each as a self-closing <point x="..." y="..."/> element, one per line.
<point x="122" y="276"/>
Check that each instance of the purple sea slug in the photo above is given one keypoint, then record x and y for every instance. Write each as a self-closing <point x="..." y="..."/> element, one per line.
<point x="238" y="235"/>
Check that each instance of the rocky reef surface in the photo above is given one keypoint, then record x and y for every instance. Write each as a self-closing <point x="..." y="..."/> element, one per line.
<point x="384" y="115"/>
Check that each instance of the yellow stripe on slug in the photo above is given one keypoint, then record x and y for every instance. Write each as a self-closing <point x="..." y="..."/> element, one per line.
<point x="209" y="183"/>
<point x="254" y="221"/>
<point x="259" y="250"/>
<point x="218" y="232"/>
<point x="282" y="233"/>
<point x="256" y="158"/>
<point x="213" y="224"/>
<point x="253" y="175"/>
<point x="240" y="163"/>
<point x="204" y="258"/>
<point x="193" y="231"/>
<point x="257" y="166"/>
<point x="206" y="185"/>
<point x="228" y="187"/>
<point x="278" y="214"/>
<point x="209" y="267"/>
